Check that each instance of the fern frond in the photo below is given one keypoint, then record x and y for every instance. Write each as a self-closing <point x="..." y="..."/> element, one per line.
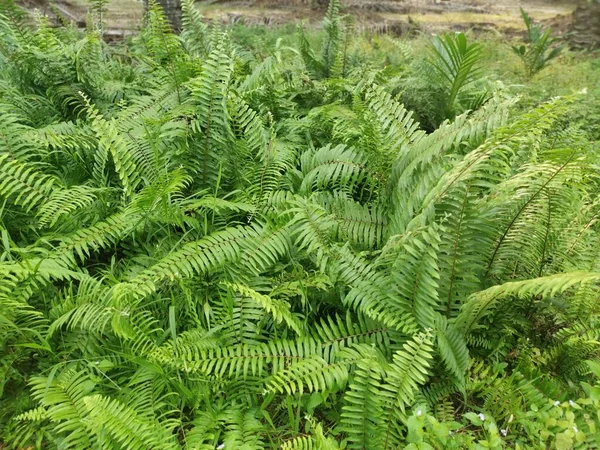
<point x="123" y="426"/>
<point x="408" y="370"/>
<point x="398" y="126"/>
<point x="209" y="94"/>
<point x="87" y="309"/>
<point x="187" y="345"/>
<point x="337" y="333"/>
<point x="206" y="254"/>
<point x="266" y="247"/>
<point x="332" y="25"/>
<point x="279" y="309"/>
<point x="310" y="374"/>
<point x="412" y="260"/>
<point x="251" y="360"/>
<point x="194" y="31"/>
<point x="452" y="348"/>
<point x="99" y="235"/>
<point x="371" y="293"/>
<point x="243" y="430"/>
<point x="362" y="414"/>
<point x="12" y="131"/>
<point x="64" y="202"/>
<point x="335" y="168"/>
<point x="23" y="184"/>
<point x="63" y="398"/>
<point x="363" y="225"/>
<point x="312" y="227"/>
<point x="480" y="304"/>
<point x="110" y="141"/>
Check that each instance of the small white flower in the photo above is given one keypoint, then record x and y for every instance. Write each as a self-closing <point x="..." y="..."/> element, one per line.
<point x="503" y="431"/>
<point x="419" y="413"/>
<point x="575" y="429"/>
<point x="450" y="433"/>
<point x="220" y="446"/>
<point x="481" y="416"/>
<point x="571" y="402"/>
<point x="557" y="402"/>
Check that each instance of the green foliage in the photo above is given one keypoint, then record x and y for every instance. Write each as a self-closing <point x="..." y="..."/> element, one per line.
<point x="537" y="51"/>
<point x="456" y="64"/>
<point x="209" y="243"/>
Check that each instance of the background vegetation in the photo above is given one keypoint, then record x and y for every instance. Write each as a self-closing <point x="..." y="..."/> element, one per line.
<point x="255" y="238"/>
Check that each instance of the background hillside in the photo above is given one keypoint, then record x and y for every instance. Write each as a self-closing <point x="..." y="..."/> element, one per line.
<point x="391" y="16"/>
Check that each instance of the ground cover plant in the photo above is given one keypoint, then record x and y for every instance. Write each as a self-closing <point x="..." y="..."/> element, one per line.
<point x="234" y="239"/>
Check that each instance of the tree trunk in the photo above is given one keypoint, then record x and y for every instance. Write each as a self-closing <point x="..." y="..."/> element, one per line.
<point x="172" y="9"/>
<point x="585" y="31"/>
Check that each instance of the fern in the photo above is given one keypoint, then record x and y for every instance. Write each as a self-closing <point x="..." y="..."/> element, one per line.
<point x="407" y="370"/>
<point x="279" y="309"/>
<point x="194" y="33"/>
<point x="209" y="93"/>
<point x="362" y="414"/>
<point x="110" y="142"/>
<point x="481" y="303"/>
<point x="199" y="256"/>
<point x="331" y="167"/>
<point x="122" y="425"/>
<point x="453" y="350"/>
<point x="224" y="239"/>
<point x="65" y="202"/>
<point x="23" y="184"/>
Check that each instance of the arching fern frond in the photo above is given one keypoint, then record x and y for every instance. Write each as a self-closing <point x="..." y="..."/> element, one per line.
<point x="206" y="254"/>
<point x="110" y="141"/>
<point x="480" y="304"/>
<point x="194" y="30"/>
<point x="362" y="414"/>
<point x="243" y="430"/>
<point x="23" y="184"/>
<point x="408" y="370"/>
<point x="65" y="202"/>
<point x="335" y="168"/>
<point x="119" y="424"/>
<point x="279" y="309"/>
<point x="452" y="347"/>
<point x="63" y="398"/>
<point x="209" y="95"/>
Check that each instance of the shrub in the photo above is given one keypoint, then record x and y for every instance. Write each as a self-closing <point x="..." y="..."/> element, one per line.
<point x="537" y="50"/>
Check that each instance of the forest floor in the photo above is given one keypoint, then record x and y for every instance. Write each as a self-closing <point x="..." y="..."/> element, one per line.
<point x="393" y="16"/>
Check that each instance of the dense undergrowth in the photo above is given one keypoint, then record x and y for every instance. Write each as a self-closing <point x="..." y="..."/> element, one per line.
<point x="244" y="240"/>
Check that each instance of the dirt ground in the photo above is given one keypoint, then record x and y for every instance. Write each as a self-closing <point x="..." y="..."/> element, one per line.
<point x="393" y="16"/>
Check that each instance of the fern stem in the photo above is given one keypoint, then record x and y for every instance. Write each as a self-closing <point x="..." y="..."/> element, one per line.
<point x="455" y="253"/>
<point x="544" y="248"/>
